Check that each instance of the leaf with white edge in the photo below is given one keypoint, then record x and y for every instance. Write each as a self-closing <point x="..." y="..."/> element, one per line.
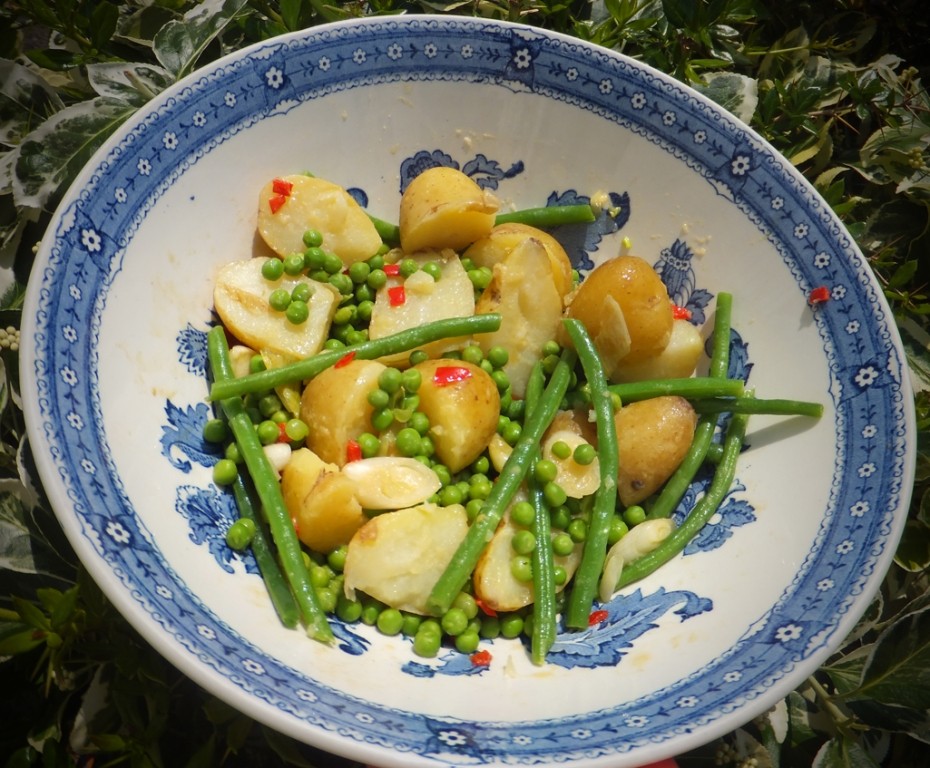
<point x="15" y="540"/>
<point x="25" y="98"/>
<point x="179" y="44"/>
<point x="842" y="752"/>
<point x="51" y="156"/>
<point x="898" y="670"/>
<point x="737" y="93"/>
<point x="135" y="83"/>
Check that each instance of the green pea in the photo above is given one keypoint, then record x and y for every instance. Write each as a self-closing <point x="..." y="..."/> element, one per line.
<point x="515" y="408"/>
<point x="454" y="621"/>
<point x="523" y="542"/>
<point x="336" y="559"/>
<point x="390" y="621"/>
<point x="634" y="515"/>
<point x="342" y="283"/>
<point x="560" y="517"/>
<point x="407" y="442"/>
<point x="578" y="529"/>
<point x="501" y="379"/>
<point x="312" y="238"/>
<point x="554" y="494"/>
<point x="364" y="293"/>
<point x="545" y="471"/>
<point x="256" y="364"/>
<point x="407" y="267"/>
<point x="450" y="494"/>
<point x="559" y="575"/>
<point x="411" y="624"/>
<point x="381" y="419"/>
<point x="480" y="278"/>
<point x="442" y="472"/>
<point x="279" y="299"/>
<point x="314" y="258"/>
<point x="302" y="292"/>
<point x="297" y="312"/>
<point x="320" y="575"/>
<point x="584" y="454"/>
<point x="390" y="380"/>
<point x="511" y="625"/>
<point x="239" y="535"/>
<point x="364" y="308"/>
<point x="232" y="453"/>
<point x="467" y="604"/>
<point x="511" y="433"/>
<point x="473" y="354"/>
<point x="433" y="269"/>
<point x="376" y="279"/>
<point x="418" y="356"/>
<point x="376" y="261"/>
<point x="345" y="314"/>
<point x="348" y="610"/>
<point x="426" y="644"/>
<point x="356" y="337"/>
<point x="272" y="269"/>
<point x="371" y="610"/>
<point x="490" y="627"/>
<point x="333" y="344"/>
<point x="473" y="509"/>
<point x="618" y="529"/>
<point x="521" y="568"/>
<point x="369" y="444"/>
<point x="269" y="404"/>
<point x="481" y="465"/>
<point x="480" y="488"/>
<point x="561" y="449"/>
<point x="296" y="430"/>
<point x="419" y="421"/>
<point x="215" y="431"/>
<point x="562" y="544"/>
<point x="332" y="263"/>
<point x="268" y="432"/>
<point x="411" y="379"/>
<point x="522" y="513"/>
<point x="359" y="272"/>
<point x="294" y="264"/>
<point x="498" y="356"/>
<point x="551" y="347"/>
<point x="225" y="472"/>
<point x="467" y="642"/>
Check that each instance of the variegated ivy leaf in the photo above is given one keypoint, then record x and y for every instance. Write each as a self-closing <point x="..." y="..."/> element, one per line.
<point x="179" y="44"/>
<point x="16" y="551"/>
<point x="736" y="93"/>
<point x="134" y="83"/>
<point x="51" y="156"/>
<point x="25" y="99"/>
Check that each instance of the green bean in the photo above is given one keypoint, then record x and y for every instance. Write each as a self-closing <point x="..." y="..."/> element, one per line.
<point x="268" y="491"/>
<point x="511" y="476"/>
<point x="398" y="342"/>
<point x="278" y="589"/>
<point x="545" y="611"/>
<point x="674" y="489"/>
<point x="771" y="406"/>
<point x="694" y="388"/>
<point x="702" y="511"/>
<point x="585" y="582"/>
<point x="548" y="216"/>
<point x="389" y="233"/>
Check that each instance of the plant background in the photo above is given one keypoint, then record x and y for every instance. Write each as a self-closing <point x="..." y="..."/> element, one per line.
<point x="835" y="85"/>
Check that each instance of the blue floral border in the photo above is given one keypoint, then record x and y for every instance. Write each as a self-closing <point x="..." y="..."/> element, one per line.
<point x="68" y="295"/>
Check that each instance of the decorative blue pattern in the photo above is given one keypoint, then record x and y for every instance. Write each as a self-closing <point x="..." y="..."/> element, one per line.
<point x="84" y="247"/>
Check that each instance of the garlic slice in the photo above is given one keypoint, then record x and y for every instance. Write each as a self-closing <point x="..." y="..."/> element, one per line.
<point x="391" y="482"/>
<point x="577" y="480"/>
<point x="641" y="540"/>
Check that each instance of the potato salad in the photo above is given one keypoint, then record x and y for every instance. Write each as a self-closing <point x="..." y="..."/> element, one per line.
<point x="440" y="429"/>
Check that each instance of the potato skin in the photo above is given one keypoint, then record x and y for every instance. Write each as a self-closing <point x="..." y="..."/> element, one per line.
<point x="335" y="407"/>
<point x="653" y="437"/>
<point x="444" y="208"/>
<point x="634" y="286"/>
<point x="463" y="415"/>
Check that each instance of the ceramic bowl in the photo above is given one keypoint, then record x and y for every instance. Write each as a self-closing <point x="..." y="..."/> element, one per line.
<point x="113" y="368"/>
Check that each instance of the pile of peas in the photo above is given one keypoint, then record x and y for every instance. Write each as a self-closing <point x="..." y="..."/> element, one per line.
<point x="396" y="417"/>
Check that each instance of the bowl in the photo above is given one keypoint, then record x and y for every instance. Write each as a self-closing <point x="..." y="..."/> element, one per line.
<point x="114" y="360"/>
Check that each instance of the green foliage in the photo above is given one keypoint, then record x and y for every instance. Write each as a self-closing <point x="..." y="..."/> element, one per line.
<point x="835" y="85"/>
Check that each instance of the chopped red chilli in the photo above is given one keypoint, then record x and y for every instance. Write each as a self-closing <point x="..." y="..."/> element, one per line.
<point x="597" y="617"/>
<point x="680" y="313"/>
<point x="276" y="201"/>
<point x="282" y="433"/>
<point x="353" y="451"/>
<point x="481" y="658"/>
<point x="819" y="295"/>
<point x="392" y="269"/>
<point x="281" y="187"/>
<point x="345" y="359"/>
<point x="450" y="374"/>
<point x="486" y="609"/>
<point x="397" y="295"/>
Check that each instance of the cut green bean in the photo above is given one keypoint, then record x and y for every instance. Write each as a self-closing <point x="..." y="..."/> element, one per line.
<point x="545" y="611"/>
<point x="694" y="388"/>
<point x="388" y="232"/>
<point x="277" y="586"/>
<point x="511" y="476"/>
<point x="403" y="341"/>
<point x="720" y="341"/>
<point x="268" y="491"/>
<point x="587" y="577"/>
<point x="769" y="407"/>
<point x="549" y="216"/>
<point x="702" y="511"/>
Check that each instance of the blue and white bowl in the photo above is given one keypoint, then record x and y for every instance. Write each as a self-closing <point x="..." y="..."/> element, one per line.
<point x="113" y="364"/>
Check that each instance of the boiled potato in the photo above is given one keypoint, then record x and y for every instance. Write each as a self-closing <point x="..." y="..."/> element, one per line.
<point x="653" y="437"/>
<point x="321" y="501"/>
<point x="624" y="305"/>
<point x="425" y="300"/>
<point x="397" y="557"/>
<point x="523" y="291"/>
<point x="313" y="203"/>
<point x="494" y="248"/>
<point x="240" y="297"/>
<point x="463" y="414"/>
<point x="577" y="480"/>
<point x="677" y="360"/>
<point x="493" y="579"/>
<point x="444" y="208"/>
<point x="335" y="407"/>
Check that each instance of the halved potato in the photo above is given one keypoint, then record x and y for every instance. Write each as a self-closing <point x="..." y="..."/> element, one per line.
<point x="577" y="480"/>
<point x="312" y="203"/>
<point x="523" y="290"/>
<point x="677" y="360"/>
<point x="444" y="208"/>
<point x="240" y="297"/>
<point x="397" y="557"/>
<point x="653" y="437"/>
<point x="425" y="300"/>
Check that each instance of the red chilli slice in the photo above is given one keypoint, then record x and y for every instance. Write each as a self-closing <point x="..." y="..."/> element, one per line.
<point x="282" y="433"/>
<point x="391" y="270"/>
<point x="597" y="617"/>
<point x="353" y="451"/>
<point x="680" y="313"/>
<point x="485" y="608"/>
<point x="397" y="296"/>
<point x="450" y="374"/>
<point x="281" y="187"/>
<point x="276" y="201"/>
<point x="481" y="658"/>
<point x="345" y="359"/>
<point x="819" y="295"/>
